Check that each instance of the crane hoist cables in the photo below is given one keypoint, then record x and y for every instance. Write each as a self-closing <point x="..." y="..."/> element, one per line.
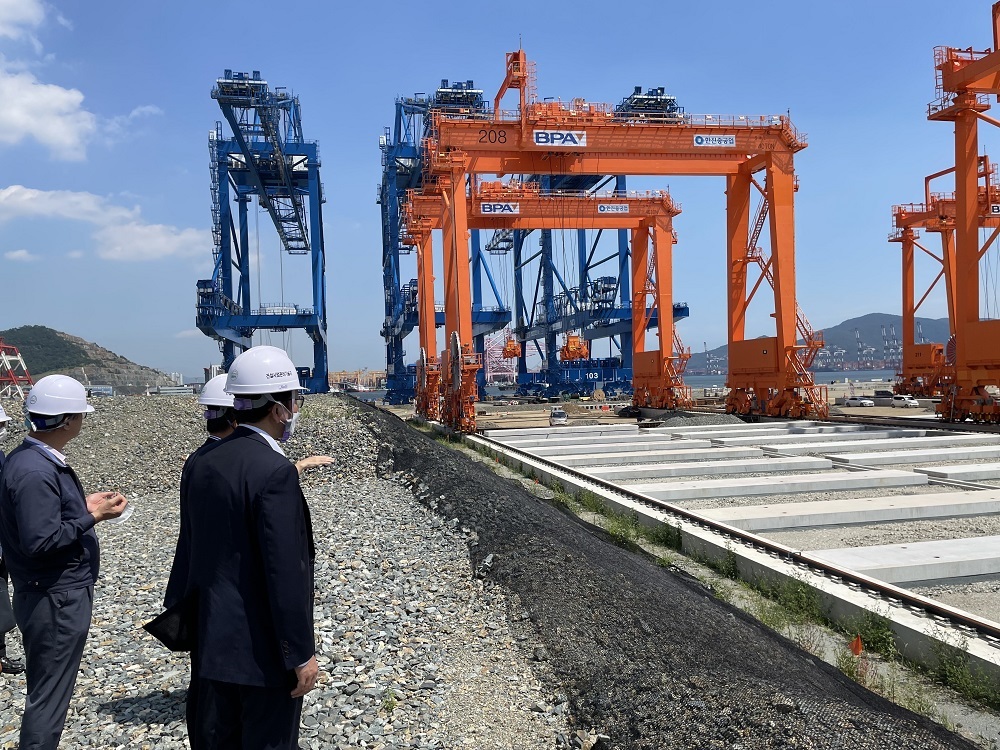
<point x="984" y="276"/>
<point x="501" y="268"/>
<point x="989" y="278"/>
<point x="256" y="237"/>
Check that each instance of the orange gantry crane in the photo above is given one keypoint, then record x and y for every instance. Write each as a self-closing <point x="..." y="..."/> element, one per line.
<point x="522" y="206"/>
<point x="928" y="369"/>
<point x="965" y="78"/>
<point x="767" y="375"/>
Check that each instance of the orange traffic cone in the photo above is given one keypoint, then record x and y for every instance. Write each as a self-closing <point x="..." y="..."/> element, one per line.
<point x="856" y="646"/>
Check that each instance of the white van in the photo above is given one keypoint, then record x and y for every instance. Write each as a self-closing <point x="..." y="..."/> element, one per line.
<point x="558" y="417"/>
<point x="905" y="402"/>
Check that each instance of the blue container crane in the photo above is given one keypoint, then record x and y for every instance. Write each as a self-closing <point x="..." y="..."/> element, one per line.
<point x="402" y="170"/>
<point x="266" y="157"/>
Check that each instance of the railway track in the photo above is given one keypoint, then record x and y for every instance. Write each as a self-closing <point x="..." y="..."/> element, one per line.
<point x="576" y="458"/>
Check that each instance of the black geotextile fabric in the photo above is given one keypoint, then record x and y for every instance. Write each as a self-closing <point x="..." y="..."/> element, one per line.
<point x="645" y="655"/>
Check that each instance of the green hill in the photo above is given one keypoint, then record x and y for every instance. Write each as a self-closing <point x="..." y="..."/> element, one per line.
<point x="46" y="351"/>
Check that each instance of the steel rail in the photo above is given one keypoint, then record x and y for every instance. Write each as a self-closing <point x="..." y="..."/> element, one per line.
<point x="914" y="602"/>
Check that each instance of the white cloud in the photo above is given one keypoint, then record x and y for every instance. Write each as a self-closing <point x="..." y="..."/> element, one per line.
<point x="19" y="17"/>
<point x="146" y="110"/>
<point x="118" y="127"/>
<point x="52" y="115"/>
<point x="190" y="333"/>
<point x="120" y="233"/>
<point x="22" y="256"/>
<point x="18" y="201"/>
<point x="136" y="241"/>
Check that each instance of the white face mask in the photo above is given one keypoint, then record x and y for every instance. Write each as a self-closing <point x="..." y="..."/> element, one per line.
<point x="3" y="432"/>
<point x="289" y="427"/>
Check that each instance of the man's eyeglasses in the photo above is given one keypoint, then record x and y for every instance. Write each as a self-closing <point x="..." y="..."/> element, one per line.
<point x="300" y="399"/>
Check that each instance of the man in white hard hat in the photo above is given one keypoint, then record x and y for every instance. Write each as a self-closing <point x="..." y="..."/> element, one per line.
<point x="220" y="421"/>
<point x="7" y="621"/>
<point x="249" y="566"/>
<point x="51" y="550"/>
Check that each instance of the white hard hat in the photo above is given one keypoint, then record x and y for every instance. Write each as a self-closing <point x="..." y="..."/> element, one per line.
<point x="214" y="393"/>
<point x="3" y="415"/>
<point x="57" y="394"/>
<point x="260" y="370"/>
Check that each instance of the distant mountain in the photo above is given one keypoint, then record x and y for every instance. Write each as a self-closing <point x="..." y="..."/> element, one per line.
<point x="46" y="351"/>
<point x="843" y="336"/>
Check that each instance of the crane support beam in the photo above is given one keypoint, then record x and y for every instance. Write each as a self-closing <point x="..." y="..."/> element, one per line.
<point x="570" y="141"/>
<point x="964" y="79"/>
<point x="657" y="379"/>
<point x="922" y="367"/>
<point x="524" y="207"/>
<point x="512" y="208"/>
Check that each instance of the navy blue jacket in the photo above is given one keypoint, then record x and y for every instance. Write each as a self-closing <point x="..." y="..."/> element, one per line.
<point x="249" y="560"/>
<point x="46" y="531"/>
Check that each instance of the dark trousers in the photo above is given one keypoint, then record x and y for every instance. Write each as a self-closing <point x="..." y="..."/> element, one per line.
<point x="7" y="622"/>
<point x="242" y="717"/>
<point x="54" y="629"/>
<point x="199" y="708"/>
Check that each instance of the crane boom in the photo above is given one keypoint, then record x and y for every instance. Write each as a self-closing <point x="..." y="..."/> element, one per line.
<point x="256" y="115"/>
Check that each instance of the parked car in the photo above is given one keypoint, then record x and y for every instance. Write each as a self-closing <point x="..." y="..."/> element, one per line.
<point x="905" y="402"/>
<point x="883" y="394"/>
<point x="558" y="417"/>
<point x="859" y="401"/>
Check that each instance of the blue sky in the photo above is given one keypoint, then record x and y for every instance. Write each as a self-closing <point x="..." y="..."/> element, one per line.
<point x="104" y="186"/>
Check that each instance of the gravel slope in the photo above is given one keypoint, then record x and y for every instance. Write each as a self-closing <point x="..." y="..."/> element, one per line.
<point x="561" y="637"/>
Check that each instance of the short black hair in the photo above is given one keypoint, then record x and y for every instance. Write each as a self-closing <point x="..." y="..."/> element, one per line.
<point x="46" y="422"/>
<point x="223" y="423"/>
<point x="250" y="416"/>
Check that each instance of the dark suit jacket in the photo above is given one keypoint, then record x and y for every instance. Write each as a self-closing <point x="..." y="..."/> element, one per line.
<point x="250" y="562"/>
<point x="46" y="531"/>
<point x="182" y="555"/>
